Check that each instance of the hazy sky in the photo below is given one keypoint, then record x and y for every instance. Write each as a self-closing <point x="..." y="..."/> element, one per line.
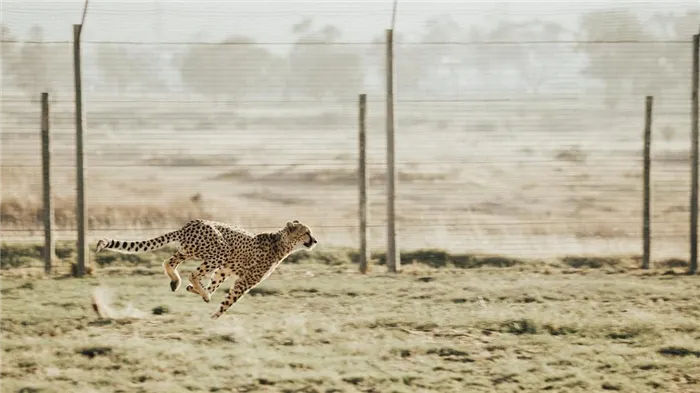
<point x="270" y="21"/>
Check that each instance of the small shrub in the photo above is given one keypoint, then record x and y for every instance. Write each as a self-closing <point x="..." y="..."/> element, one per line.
<point x="466" y="261"/>
<point x="556" y="330"/>
<point x="65" y="250"/>
<point x="160" y="310"/>
<point x="353" y="380"/>
<point x="520" y="326"/>
<point x="430" y="257"/>
<point x="91" y="352"/>
<point x="578" y="262"/>
<point x="672" y="263"/>
<point x="679" y="351"/>
<point x="610" y="386"/>
<point x="573" y="154"/>
<point x="451" y="354"/>
<point x="19" y="255"/>
<point x="27" y="285"/>
<point x="17" y="261"/>
<point x="628" y="332"/>
<point x="30" y="389"/>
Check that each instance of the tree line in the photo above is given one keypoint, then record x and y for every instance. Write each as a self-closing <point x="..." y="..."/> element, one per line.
<point x="240" y="68"/>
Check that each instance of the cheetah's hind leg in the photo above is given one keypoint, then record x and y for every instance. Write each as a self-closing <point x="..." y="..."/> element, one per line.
<point x="190" y="287"/>
<point x="217" y="277"/>
<point x="206" y="268"/>
<point x="170" y="267"/>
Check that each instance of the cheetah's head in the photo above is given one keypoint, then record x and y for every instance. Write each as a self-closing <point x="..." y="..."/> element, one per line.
<point x="300" y="234"/>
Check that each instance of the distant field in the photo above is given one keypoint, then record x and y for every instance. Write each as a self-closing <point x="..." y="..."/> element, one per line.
<point x="528" y="178"/>
<point x="318" y="326"/>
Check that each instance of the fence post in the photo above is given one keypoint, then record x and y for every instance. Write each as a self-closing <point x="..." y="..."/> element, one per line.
<point x="79" y="143"/>
<point x="393" y="261"/>
<point x="646" y="229"/>
<point x="363" y="183"/>
<point x="49" y="244"/>
<point x="694" y="159"/>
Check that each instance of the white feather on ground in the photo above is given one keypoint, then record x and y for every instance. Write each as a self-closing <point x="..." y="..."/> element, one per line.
<point x="103" y="306"/>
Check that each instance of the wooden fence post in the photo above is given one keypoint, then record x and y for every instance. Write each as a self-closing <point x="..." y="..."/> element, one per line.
<point x="693" y="268"/>
<point x="80" y="156"/>
<point x="646" y="228"/>
<point x="49" y="244"/>
<point x="363" y="183"/>
<point x="393" y="260"/>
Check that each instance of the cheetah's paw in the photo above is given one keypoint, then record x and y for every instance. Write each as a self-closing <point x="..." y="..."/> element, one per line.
<point x="206" y="297"/>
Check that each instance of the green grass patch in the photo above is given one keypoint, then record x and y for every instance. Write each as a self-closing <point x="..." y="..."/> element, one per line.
<point x="339" y="331"/>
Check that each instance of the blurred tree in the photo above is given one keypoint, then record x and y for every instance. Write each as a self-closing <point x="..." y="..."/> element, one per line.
<point x="10" y="49"/>
<point x="319" y="67"/>
<point x="636" y="68"/>
<point x="531" y="63"/>
<point x="235" y="68"/>
<point x="6" y="33"/>
<point x="675" y="57"/>
<point x="425" y="67"/>
<point x="35" y="66"/>
<point x="126" y="69"/>
<point x="433" y="67"/>
<point x="32" y="77"/>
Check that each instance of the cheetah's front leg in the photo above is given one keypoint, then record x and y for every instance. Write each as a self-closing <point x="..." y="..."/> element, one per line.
<point x="240" y="288"/>
<point x="219" y="279"/>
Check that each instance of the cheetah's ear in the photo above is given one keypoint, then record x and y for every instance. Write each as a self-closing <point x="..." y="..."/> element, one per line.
<point x="295" y="221"/>
<point x="290" y="225"/>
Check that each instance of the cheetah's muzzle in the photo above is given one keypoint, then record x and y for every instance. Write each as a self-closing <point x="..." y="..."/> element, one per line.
<point x="311" y="242"/>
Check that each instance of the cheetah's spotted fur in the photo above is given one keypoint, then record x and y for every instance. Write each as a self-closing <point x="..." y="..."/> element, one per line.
<point x="225" y="250"/>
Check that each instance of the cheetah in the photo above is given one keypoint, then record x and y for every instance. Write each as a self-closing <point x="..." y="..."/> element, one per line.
<point x="225" y="250"/>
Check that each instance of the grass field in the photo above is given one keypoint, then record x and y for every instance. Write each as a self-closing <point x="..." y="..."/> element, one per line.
<point x="316" y="325"/>
<point x="537" y="208"/>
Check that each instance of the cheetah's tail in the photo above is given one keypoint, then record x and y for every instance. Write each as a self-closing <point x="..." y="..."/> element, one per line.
<point x="131" y="247"/>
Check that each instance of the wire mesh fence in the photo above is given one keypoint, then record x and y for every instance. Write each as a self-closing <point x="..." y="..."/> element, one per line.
<point x="516" y="134"/>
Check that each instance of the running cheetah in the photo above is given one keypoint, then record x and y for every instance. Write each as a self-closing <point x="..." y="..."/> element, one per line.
<point x="225" y="250"/>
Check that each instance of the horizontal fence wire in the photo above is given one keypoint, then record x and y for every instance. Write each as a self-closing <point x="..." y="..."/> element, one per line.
<point x="515" y="133"/>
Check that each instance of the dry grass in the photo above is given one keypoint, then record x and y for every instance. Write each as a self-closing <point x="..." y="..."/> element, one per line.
<point x="540" y="194"/>
<point x="28" y="213"/>
<point x="321" y="327"/>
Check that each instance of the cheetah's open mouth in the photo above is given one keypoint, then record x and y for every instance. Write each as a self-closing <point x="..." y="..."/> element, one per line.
<point x="311" y="242"/>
